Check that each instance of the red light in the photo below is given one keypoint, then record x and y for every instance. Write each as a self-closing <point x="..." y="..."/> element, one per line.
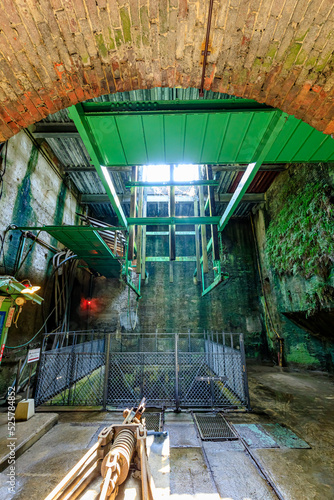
<point x="88" y="301"/>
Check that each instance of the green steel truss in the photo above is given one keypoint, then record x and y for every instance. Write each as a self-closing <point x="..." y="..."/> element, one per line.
<point x="234" y="131"/>
<point x="198" y="132"/>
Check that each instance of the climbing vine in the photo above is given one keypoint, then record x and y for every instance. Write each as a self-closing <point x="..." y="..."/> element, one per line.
<point x="300" y="239"/>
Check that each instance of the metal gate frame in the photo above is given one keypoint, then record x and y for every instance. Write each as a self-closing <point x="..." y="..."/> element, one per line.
<point x="100" y="369"/>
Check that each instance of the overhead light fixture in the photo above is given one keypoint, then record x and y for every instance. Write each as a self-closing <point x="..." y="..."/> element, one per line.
<point x="31" y="289"/>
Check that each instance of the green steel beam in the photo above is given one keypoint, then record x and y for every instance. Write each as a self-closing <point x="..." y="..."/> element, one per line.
<point x="208" y="248"/>
<point x="175" y="107"/>
<point x="133" y="286"/>
<point x="214" y="284"/>
<point x="177" y="259"/>
<point x="172" y="183"/>
<point x="274" y="128"/>
<point x="68" y="228"/>
<point x="78" y="116"/>
<point x="219" y="198"/>
<point x="166" y="233"/>
<point x="168" y="221"/>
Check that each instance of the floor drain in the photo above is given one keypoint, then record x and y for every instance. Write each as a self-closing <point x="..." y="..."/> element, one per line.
<point x="153" y="421"/>
<point x="213" y="427"/>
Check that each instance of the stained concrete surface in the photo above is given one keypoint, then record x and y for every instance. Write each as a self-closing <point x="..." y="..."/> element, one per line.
<point x="302" y="401"/>
<point x="25" y="434"/>
<point x="235" y="475"/>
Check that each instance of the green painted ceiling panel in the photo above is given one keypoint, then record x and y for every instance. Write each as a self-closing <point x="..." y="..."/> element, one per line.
<point x="194" y="137"/>
<point x="201" y="132"/>
<point x="307" y="149"/>
<point x="294" y="142"/>
<point x="130" y="129"/>
<point x="325" y="151"/>
<point x="108" y="140"/>
<point x="257" y="128"/>
<point x="154" y="138"/>
<point x="174" y="137"/>
<point x="214" y="137"/>
<point x="237" y="129"/>
<point x="281" y="140"/>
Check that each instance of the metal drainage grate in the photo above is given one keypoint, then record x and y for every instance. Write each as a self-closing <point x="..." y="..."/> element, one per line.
<point x="213" y="427"/>
<point x="153" y="421"/>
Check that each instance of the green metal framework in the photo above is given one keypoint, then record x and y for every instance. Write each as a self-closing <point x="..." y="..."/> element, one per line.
<point x="233" y="131"/>
<point x="198" y="132"/>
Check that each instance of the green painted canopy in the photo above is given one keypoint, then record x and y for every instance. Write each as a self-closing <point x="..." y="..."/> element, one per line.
<point x="88" y="246"/>
<point x="200" y="132"/>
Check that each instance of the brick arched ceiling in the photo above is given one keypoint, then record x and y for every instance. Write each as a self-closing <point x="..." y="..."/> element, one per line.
<point x="54" y="53"/>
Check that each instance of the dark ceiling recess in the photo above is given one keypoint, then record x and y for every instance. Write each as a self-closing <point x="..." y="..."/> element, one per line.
<point x="260" y="184"/>
<point x="319" y="324"/>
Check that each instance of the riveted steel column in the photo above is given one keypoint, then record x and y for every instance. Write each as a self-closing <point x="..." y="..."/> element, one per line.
<point x="177" y="395"/>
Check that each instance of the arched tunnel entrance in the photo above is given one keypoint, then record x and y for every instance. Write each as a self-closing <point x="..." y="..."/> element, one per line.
<point x="56" y="55"/>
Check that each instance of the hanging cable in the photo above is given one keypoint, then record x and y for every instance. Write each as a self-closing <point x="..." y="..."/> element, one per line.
<point x="64" y="275"/>
<point x="39" y="331"/>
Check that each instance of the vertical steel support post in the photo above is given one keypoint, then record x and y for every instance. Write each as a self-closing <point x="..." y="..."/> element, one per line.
<point x="203" y="229"/>
<point x="71" y="374"/>
<point x="139" y="230"/>
<point x="212" y="211"/>
<point x="78" y="116"/>
<point x="198" y="246"/>
<point x="106" y="370"/>
<point x="143" y="261"/>
<point x="172" y="253"/>
<point x="132" y="215"/>
<point x="177" y="395"/>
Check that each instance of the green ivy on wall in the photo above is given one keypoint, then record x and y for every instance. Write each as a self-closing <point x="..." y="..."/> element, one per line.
<point x="300" y="239"/>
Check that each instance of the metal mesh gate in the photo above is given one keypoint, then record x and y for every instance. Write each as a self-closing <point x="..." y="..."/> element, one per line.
<point x="170" y="370"/>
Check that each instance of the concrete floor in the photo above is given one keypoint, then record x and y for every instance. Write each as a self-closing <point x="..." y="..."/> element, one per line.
<point x="217" y="471"/>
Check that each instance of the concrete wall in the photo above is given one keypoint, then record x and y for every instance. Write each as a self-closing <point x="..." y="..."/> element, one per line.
<point x="34" y="194"/>
<point x="178" y="306"/>
<point x="304" y="319"/>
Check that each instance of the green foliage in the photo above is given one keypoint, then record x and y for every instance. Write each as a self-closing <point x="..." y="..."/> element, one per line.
<point x="300" y="240"/>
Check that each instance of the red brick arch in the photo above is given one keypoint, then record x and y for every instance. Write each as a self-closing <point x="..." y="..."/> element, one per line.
<point x="54" y="53"/>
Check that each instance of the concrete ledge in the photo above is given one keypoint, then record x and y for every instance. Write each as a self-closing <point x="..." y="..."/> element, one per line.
<point x="26" y="434"/>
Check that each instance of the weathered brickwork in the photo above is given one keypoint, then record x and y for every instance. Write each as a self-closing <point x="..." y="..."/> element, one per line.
<point x="54" y="53"/>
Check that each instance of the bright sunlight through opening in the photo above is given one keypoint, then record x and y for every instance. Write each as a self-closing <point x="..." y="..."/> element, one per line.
<point x="161" y="173"/>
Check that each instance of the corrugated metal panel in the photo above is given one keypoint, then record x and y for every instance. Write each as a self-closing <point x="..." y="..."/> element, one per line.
<point x="72" y="152"/>
<point x="262" y="181"/>
<point x="161" y="94"/>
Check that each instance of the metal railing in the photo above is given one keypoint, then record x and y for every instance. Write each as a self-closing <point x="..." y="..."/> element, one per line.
<point x="100" y="368"/>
